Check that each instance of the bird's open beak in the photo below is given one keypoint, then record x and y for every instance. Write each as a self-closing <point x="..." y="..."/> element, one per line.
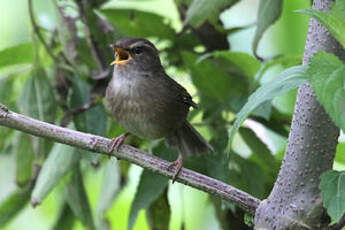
<point x="122" y="56"/>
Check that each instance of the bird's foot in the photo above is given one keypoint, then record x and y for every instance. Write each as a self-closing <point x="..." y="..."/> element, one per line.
<point x="116" y="142"/>
<point x="177" y="165"/>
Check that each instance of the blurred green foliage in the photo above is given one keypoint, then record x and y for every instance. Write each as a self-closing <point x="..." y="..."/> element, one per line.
<point x="64" y="83"/>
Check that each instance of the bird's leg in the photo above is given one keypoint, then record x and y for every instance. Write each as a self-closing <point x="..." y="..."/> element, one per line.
<point x="117" y="142"/>
<point x="177" y="165"/>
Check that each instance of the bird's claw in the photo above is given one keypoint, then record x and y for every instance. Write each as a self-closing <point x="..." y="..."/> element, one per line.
<point x="177" y="165"/>
<point x="116" y="142"/>
<point x="3" y="111"/>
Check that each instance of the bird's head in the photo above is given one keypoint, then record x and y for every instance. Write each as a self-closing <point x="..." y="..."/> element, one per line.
<point x="136" y="53"/>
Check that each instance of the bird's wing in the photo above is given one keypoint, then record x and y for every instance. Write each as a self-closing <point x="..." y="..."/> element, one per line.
<point x="179" y="92"/>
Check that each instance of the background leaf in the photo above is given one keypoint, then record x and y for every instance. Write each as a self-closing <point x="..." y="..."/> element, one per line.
<point x="109" y="191"/>
<point x="241" y="176"/>
<point x="76" y="197"/>
<point x="332" y="188"/>
<point x="6" y="98"/>
<point x="6" y="89"/>
<point x="139" y="23"/>
<point x="326" y="73"/>
<point x="37" y="100"/>
<point x="340" y="153"/>
<point x="284" y="61"/>
<point x="269" y="12"/>
<point x="151" y="185"/>
<point x="159" y="213"/>
<point x="65" y="220"/>
<point x="286" y="81"/>
<point x="13" y="204"/>
<point x="24" y="158"/>
<point x="242" y="61"/>
<point x="93" y="120"/>
<point x="60" y="161"/>
<point x="261" y="155"/>
<point x="209" y="75"/>
<point x="201" y="10"/>
<point x="18" y="54"/>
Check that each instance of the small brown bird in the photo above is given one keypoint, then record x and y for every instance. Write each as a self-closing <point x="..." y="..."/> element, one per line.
<point x="148" y="103"/>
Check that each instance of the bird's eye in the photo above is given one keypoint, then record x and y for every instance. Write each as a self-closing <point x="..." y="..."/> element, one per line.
<point x="137" y="50"/>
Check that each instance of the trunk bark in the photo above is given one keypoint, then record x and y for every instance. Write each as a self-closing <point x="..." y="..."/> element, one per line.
<point x="295" y="201"/>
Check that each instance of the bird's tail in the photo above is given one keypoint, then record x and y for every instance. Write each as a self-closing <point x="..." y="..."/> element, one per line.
<point x="188" y="141"/>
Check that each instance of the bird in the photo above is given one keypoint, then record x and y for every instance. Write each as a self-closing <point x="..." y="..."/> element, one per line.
<point x="148" y="103"/>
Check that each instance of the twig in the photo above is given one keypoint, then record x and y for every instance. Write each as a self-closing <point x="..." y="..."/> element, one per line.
<point x="88" y="35"/>
<point x="339" y="225"/>
<point x="69" y="113"/>
<point x="100" y="145"/>
<point x="38" y="33"/>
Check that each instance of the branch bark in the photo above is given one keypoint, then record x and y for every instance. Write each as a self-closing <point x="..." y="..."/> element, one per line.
<point x="100" y="145"/>
<point x="295" y="201"/>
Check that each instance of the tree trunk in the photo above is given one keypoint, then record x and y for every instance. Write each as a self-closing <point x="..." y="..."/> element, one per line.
<point x="295" y="201"/>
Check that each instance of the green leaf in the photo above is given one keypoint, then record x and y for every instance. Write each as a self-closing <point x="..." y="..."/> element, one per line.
<point x="242" y="61"/>
<point x="24" y="157"/>
<point x="6" y="91"/>
<point x="76" y="197"/>
<point x="37" y="100"/>
<point x="216" y="164"/>
<point x="340" y="153"/>
<point x="139" y="23"/>
<point x="93" y="120"/>
<point x="249" y="219"/>
<point x="12" y="205"/>
<point x="151" y="185"/>
<point x="60" y="161"/>
<point x="65" y="219"/>
<point x="269" y="12"/>
<point x="241" y="176"/>
<point x="332" y="188"/>
<point x="109" y="191"/>
<point x="261" y="154"/>
<point x="326" y="73"/>
<point x="220" y="212"/>
<point x="201" y="10"/>
<point x="5" y="138"/>
<point x="284" y="61"/>
<point x="286" y="81"/>
<point x="159" y="212"/>
<point x="264" y="110"/>
<point x="209" y="75"/>
<point x="14" y="55"/>
<point x="219" y="134"/>
<point x="334" y="20"/>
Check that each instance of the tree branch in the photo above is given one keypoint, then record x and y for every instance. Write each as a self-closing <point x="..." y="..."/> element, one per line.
<point x="100" y="145"/>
